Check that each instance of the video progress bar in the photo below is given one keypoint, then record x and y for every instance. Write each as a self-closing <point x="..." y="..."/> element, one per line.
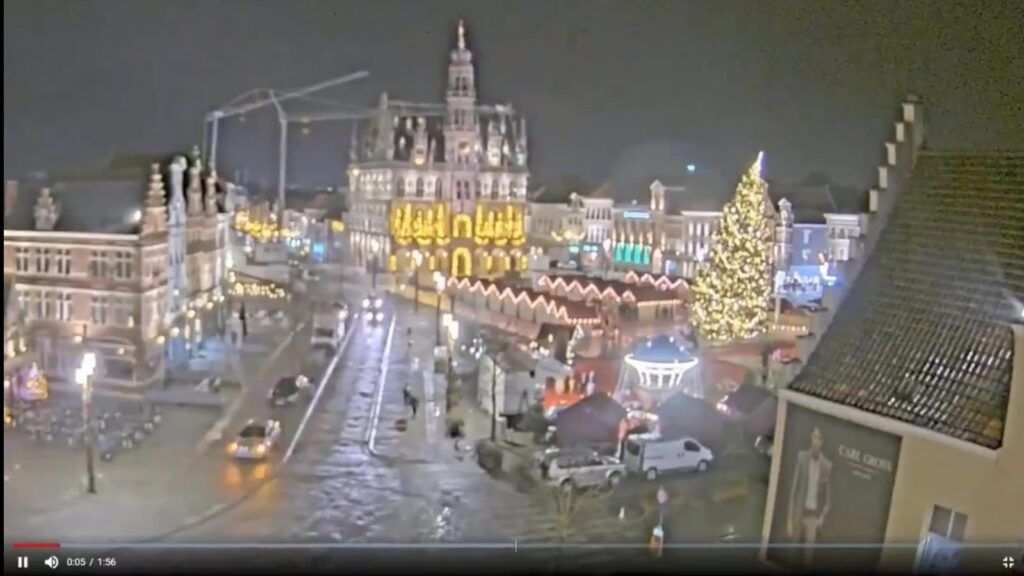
<point x="514" y="545"/>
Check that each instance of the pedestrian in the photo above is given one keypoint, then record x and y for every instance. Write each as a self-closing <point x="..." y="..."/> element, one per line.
<point x="244" y="318"/>
<point x="406" y="395"/>
<point x="414" y="403"/>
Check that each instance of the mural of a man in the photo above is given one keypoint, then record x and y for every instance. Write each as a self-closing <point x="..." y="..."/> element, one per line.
<point x="810" y="495"/>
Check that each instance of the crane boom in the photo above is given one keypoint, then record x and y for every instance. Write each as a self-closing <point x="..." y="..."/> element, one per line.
<point x="271" y="96"/>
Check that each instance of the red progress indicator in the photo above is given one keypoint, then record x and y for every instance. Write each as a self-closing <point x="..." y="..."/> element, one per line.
<point x="36" y="545"/>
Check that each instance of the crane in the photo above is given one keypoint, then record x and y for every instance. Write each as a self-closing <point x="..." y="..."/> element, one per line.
<point x="267" y="97"/>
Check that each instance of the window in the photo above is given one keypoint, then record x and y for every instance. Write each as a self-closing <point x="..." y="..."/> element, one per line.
<point x="419" y="187"/>
<point x="948" y="523"/>
<point x="691" y="446"/>
<point x="401" y="187"/>
<point x="21" y="259"/>
<point x="62" y="258"/>
<point x="121" y="312"/>
<point x="98" y="265"/>
<point x="43" y="261"/>
<point x="807" y="237"/>
<point x="100" y="307"/>
<point x="64" y="310"/>
<point x="31" y="304"/>
<point x="438" y="188"/>
<point x="842" y="233"/>
<point x="123" y="265"/>
<point x="48" y="309"/>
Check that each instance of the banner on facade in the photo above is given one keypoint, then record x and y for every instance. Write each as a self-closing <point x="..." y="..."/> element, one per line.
<point x="834" y="487"/>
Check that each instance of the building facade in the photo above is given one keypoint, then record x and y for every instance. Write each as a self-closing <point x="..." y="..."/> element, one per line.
<point x="910" y="409"/>
<point x="99" y="260"/>
<point x="441" y="187"/>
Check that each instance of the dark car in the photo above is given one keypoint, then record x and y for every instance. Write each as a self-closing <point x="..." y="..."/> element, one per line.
<point x="288" y="390"/>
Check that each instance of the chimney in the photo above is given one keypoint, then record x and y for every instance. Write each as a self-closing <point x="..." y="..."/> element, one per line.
<point x="10" y="196"/>
<point x="46" y="212"/>
<point x="156" y="209"/>
<point x="195" y="190"/>
<point x="211" y="193"/>
<point x="178" y="167"/>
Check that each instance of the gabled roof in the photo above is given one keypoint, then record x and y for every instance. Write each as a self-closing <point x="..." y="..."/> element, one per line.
<point x="85" y="206"/>
<point x="924" y="335"/>
<point x="812" y="202"/>
<point x="598" y="406"/>
<point x="704" y="191"/>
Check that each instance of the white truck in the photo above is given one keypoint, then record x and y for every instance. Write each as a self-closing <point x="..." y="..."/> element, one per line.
<point x="328" y="325"/>
<point x="650" y="455"/>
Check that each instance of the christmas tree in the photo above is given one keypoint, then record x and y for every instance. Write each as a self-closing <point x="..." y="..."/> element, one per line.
<point x="731" y="291"/>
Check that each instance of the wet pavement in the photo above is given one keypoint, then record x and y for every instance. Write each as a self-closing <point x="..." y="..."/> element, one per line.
<point x="411" y="487"/>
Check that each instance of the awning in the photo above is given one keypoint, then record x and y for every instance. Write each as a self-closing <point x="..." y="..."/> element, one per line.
<point x="22" y="360"/>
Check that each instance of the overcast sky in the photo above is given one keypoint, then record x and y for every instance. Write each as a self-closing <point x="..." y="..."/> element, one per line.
<point x="607" y="87"/>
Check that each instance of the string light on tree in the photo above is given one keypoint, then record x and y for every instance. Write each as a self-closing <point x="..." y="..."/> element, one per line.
<point x="732" y="290"/>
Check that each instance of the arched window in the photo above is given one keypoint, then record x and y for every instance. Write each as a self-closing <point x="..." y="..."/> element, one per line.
<point x="438" y="188"/>
<point x="419" y="187"/>
<point x="400" y="187"/>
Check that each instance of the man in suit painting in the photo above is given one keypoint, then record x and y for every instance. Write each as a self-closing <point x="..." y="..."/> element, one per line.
<point x="810" y="495"/>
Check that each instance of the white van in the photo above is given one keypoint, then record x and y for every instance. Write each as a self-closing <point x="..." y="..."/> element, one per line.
<point x="328" y="325"/>
<point x="650" y="455"/>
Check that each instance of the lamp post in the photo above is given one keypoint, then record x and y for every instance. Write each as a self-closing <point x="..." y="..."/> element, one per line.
<point x="417" y="258"/>
<point x="607" y="245"/>
<point x="83" y="377"/>
<point x="439" y="285"/>
<point x="374" y="248"/>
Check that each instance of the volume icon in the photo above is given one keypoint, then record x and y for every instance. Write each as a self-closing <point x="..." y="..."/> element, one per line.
<point x="52" y="562"/>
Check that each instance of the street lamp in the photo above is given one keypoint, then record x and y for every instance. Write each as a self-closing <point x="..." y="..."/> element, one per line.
<point x="417" y="258"/>
<point x="83" y="377"/>
<point x="374" y="248"/>
<point x="439" y="285"/>
<point x="607" y="244"/>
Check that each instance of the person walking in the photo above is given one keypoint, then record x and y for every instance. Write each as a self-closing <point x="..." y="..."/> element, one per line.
<point x="414" y="403"/>
<point x="406" y="396"/>
<point x="244" y="319"/>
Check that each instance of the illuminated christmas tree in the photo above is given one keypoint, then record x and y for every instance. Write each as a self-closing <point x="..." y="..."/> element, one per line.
<point x="732" y="290"/>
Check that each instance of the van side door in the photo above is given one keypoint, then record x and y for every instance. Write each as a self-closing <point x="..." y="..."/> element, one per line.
<point x="691" y="454"/>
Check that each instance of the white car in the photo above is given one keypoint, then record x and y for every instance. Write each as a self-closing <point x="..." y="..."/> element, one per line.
<point x="373" y="308"/>
<point x="256" y="439"/>
<point x="582" y="470"/>
<point x="651" y="455"/>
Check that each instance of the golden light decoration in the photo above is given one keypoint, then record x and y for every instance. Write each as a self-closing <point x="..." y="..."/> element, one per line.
<point x="731" y="292"/>
<point x="424" y="224"/>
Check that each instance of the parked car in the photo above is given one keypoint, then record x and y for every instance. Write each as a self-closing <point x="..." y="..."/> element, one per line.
<point x="373" y="308"/>
<point x="651" y="455"/>
<point x="288" y="390"/>
<point x="544" y="457"/>
<point x="582" y="470"/>
<point x="256" y="439"/>
<point x="764" y="445"/>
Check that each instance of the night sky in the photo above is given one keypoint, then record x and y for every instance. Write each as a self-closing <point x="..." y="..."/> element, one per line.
<point x="610" y="89"/>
